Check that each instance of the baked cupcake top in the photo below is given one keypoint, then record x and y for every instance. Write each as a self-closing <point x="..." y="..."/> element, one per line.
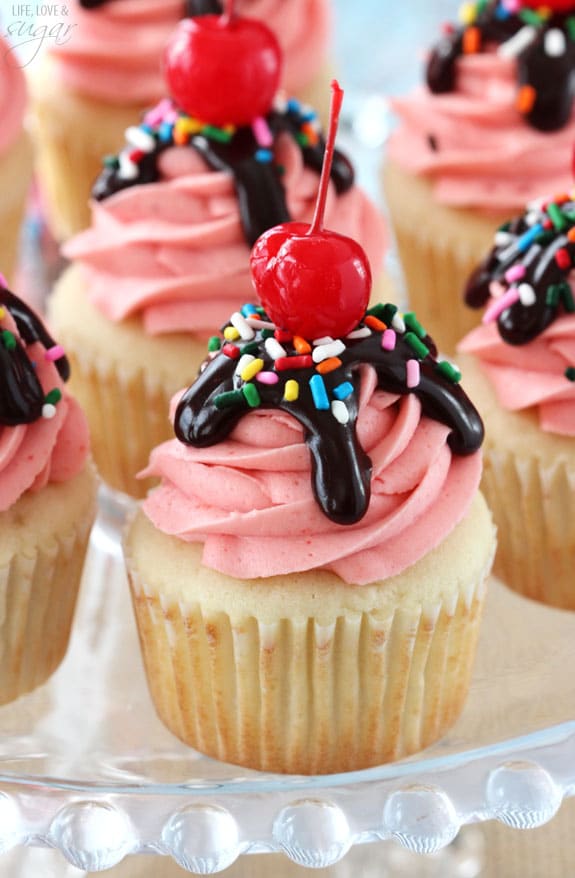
<point x="527" y="343"/>
<point x="498" y="97"/>
<point x="115" y="48"/>
<point x="327" y="435"/>
<point x="43" y="432"/>
<point x="12" y="97"/>
<point x="177" y="210"/>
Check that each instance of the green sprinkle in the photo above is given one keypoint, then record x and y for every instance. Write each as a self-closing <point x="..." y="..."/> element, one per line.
<point x="252" y="396"/>
<point x="567" y="297"/>
<point x="251" y="347"/>
<point x="570" y="23"/>
<point x="416" y="345"/>
<point x="449" y="371"/>
<point x="570" y="373"/>
<point x="260" y="311"/>
<point x="504" y="227"/>
<point x="556" y="216"/>
<point x="302" y="138"/>
<point x="53" y="397"/>
<point x="377" y="311"/>
<point x="214" y="344"/>
<point x="553" y="295"/>
<point x="111" y="161"/>
<point x="229" y="400"/>
<point x="9" y="339"/>
<point x="529" y="16"/>
<point x="213" y="133"/>
<point x="267" y="333"/>
<point x="481" y="6"/>
<point x="389" y="312"/>
<point x="414" y="325"/>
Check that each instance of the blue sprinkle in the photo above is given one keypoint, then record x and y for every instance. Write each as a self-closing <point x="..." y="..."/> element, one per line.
<point x="527" y="238"/>
<point x="248" y="310"/>
<point x="319" y="393"/>
<point x="264" y="156"/>
<point x="501" y="13"/>
<point x="147" y="128"/>
<point x="293" y="105"/>
<point x="309" y="116"/>
<point x="165" y="132"/>
<point x="342" y="391"/>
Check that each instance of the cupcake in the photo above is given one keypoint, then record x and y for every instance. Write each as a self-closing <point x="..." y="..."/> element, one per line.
<point x="89" y="90"/>
<point x="520" y="366"/>
<point x="308" y="577"/>
<point x="467" y="152"/>
<point x="47" y="500"/>
<point x="15" y="157"/>
<point x="167" y="256"/>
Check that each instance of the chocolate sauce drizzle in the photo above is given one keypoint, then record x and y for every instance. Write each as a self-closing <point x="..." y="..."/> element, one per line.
<point x="538" y="243"/>
<point x="21" y="395"/>
<point x="258" y="180"/>
<point x="341" y="471"/>
<point x="546" y="63"/>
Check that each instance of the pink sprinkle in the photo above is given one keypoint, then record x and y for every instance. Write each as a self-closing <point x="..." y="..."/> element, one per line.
<point x="3" y="281"/>
<point x="413" y="373"/>
<point x="496" y="289"/>
<point x="157" y="113"/>
<point x="512" y="5"/>
<point x="516" y="272"/>
<point x="262" y="132"/>
<point x="499" y="305"/>
<point x="388" y="340"/>
<point x="267" y="377"/>
<point x="54" y="353"/>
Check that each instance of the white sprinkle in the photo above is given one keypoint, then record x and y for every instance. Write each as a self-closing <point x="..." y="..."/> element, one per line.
<point x="243" y="361"/>
<point x="326" y="339"/>
<point x="339" y="411"/>
<point x="48" y="411"/>
<point x="239" y="322"/>
<point x="515" y="46"/>
<point x="537" y="204"/>
<point x="555" y="43"/>
<point x="325" y="351"/>
<point x="259" y="324"/>
<point x="280" y="103"/>
<point x="128" y="169"/>
<point x="508" y="253"/>
<point x="527" y="295"/>
<point x="532" y="218"/>
<point x="274" y="349"/>
<point x="362" y="332"/>
<point x="398" y="323"/>
<point x="502" y="239"/>
<point x="140" y="139"/>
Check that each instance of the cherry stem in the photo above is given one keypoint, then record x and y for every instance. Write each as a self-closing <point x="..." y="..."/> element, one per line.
<point x="229" y="12"/>
<point x="334" y="111"/>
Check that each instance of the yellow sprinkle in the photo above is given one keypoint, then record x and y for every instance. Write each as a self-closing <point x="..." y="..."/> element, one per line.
<point x="231" y="333"/>
<point x="467" y="13"/>
<point x="291" y="392"/>
<point x="2" y="313"/>
<point x="251" y="370"/>
<point x="188" y="125"/>
<point x="230" y="129"/>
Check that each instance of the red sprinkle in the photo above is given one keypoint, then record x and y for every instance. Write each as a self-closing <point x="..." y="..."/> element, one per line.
<point x="283" y="364"/>
<point x="136" y="155"/>
<point x="547" y="225"/>
<point x="282" y="336"/>
<point x="231" y="351"/>
<point x="563" y="259"/>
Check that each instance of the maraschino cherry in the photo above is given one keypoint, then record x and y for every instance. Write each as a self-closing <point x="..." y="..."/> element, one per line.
<point x="553" y="5"/>
<point x="311" y="281"/>
<point x="223" y="69"/>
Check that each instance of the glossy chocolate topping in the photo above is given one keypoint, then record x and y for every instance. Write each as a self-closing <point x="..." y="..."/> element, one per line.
<point x="281" y="375"/>
<point x="525" y="276"/>
<point x="22" y="398"/>
<point x="257" y="178"/>
<point x="544" y="45"/>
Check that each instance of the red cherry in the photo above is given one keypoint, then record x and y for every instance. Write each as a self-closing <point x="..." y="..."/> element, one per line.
<point x="553" y="5"/>
<point x="223" y="69"/>
<point x="311" y="281"/>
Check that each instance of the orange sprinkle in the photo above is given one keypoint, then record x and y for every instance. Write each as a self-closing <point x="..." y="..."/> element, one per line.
<point x="472" y="41"/>
<point x="561" y="199"/>
<point x="301" y="345"/>
<point x="181" y="138"/>
<point x="329" y="365"/>
<point x="375" y="323"/>
<point x="526" y="98"/>
<point x="571" y="235"/>
<point x="312" y="134"/>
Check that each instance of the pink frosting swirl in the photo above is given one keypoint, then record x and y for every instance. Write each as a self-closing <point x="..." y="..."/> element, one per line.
<point x="12" y="97"/>
<point x="174" y="252"/>
<point x="487" y="156"/>
<point x="115" y="50"/>
<point x="532" y="375"/>
<point x="47" y="450"/>
<point x="249" y="499"/>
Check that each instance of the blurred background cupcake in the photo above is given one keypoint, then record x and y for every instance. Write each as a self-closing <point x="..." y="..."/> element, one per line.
<point x="521" y="370"/>
<point x="492" y="128"/>
<point x="90" y="89"/>
<point x="15" y="157"/>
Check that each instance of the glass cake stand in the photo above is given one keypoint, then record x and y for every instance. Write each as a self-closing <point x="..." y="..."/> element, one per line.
<point x="87" y="768"/>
